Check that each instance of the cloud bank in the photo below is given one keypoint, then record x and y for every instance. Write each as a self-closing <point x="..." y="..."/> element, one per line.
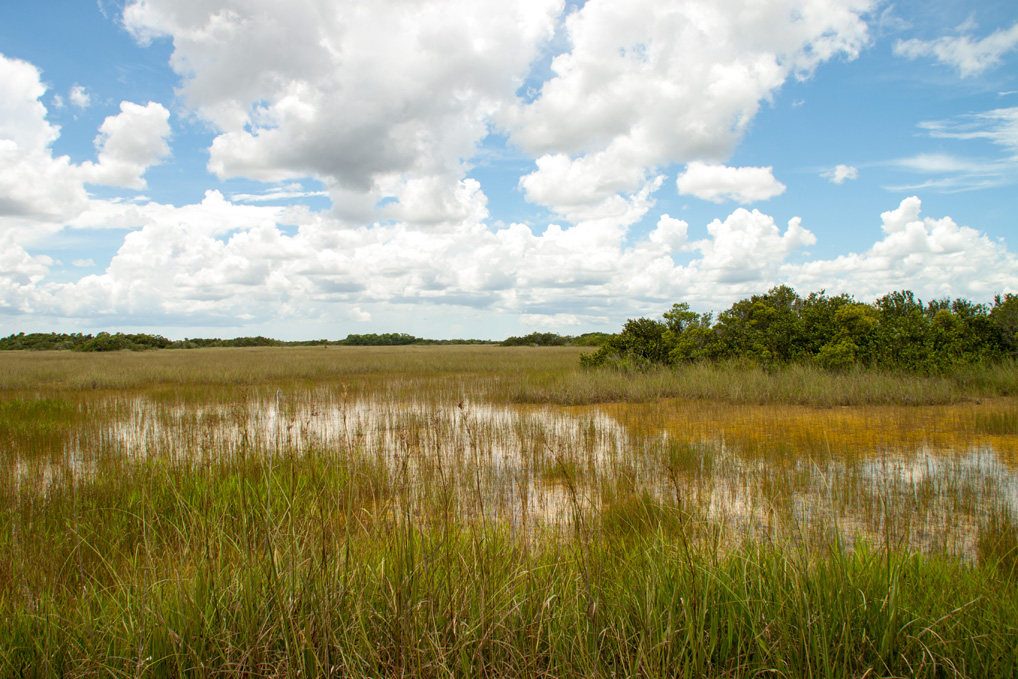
<point x="383" y="107"/>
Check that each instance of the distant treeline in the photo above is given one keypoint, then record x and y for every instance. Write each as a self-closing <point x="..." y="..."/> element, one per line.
<point x="551" y="339"/>
<point x="896" y="332"/>
<point x="105" y="341"/>
<point x="392" y="339"/>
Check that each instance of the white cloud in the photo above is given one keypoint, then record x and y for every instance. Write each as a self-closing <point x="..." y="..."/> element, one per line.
<point x="434" y="201"/>
<point x="377" y="99"/>
<point x="128" y="144"/>
<point x="79" y="96"/>
<point x="33" y="184"/>
<point x="596" y="186"/>
<point x="958" y="173"/>
<point x="286" y="192"/>
<point x="224" y="264"/>
<point x="22" y="115"/>
<point x="564" y="183"/>
<point x="359" y="315"/>
<point x="999" y="126"/>
<point x="650" y="82"/>
<point x="932" y="257"/>
<point x="718" y="183"/>
<point x="384" y="101"/>
<point x="17" y="265"/>
<point x="83" y="262"/>
<point x="36" y="186"/>
<point x="670" y="234"/>
<point x="748" y="246"/>
<point x="840" y="174"/>
<point x="550" y="320"/>
<point x="968" y="56"/>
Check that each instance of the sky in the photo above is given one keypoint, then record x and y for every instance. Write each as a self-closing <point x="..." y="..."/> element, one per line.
<point x="487" y="168"/>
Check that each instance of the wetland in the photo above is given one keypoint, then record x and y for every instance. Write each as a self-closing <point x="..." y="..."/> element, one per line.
<point x="491" y="511"/>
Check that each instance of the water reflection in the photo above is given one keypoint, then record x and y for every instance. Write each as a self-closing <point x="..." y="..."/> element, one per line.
<point x="922" y="478"/>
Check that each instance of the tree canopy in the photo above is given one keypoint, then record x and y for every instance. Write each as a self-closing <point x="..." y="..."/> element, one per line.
<point x="895" y="332"/>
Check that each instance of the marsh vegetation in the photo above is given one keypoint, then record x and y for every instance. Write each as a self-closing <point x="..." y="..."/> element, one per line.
<point x="496" y="511"/>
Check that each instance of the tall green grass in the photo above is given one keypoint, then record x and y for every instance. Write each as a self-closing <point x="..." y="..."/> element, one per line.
<point x="299" y="568"/>
<point x="794" y="384"/>
<point x="356" y="512"/>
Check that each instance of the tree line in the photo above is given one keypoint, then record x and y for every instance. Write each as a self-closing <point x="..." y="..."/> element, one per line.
<point x="105" y="341"/>
<point x="896" y="332"/>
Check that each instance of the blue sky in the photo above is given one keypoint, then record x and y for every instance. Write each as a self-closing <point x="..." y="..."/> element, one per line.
<point x="473" y="168"/>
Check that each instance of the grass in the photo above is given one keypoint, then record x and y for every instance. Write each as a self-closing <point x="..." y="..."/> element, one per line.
<point x="354" y="512"/>
<point x="795" y="384"/>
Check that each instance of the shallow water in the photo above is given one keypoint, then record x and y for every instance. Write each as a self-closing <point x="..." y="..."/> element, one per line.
<point x="922" y="477"/>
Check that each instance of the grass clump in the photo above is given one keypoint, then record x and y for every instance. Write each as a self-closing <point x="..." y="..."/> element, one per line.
<point x="796" y="384"/>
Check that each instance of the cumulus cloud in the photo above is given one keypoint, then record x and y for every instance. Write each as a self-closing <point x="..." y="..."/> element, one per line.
<point x="384" y="101"/>
<point x="37" y="187"/>
<point x="228" y="264"/>
<point x="748" y="246"/>
<point x="933" y="257"/>
<point x="377" y="99"/>
<point x="718" y="183"/>
<point x="128" y="144"/>
<point x="840" y="174"/>
<point x="646" y="83"/>
<point x="968" y="56"/>
<point x="359" y="315"/>
<point x="550" y="320"/>
<point x="564" y="183"/>
<point x="670" y="234"/>
<point x="22" y="114"/>
<point x="590" y="188"/>
<point x="33" y="184"/>
<point x="224" y="261"/>
<point x="17" y="266"/>
<point x="79" y="97"/>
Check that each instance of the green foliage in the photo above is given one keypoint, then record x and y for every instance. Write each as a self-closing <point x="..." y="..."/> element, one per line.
<point x="388" y="339"/>
<point x="590" y="339"/>
<point x="1004" y="317"/>
<point x="551" y="339"/>
<point x="39" y="341"/>
<point x="104" y="341"/>
<point x="897" y="333"/>
<point x="537" y="339"/>
<point x="641" y="343"/>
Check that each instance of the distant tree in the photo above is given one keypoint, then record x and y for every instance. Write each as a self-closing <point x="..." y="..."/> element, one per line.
<point x="590" y="339"/>
<point x="537" y="339"/>
<point x="641" y="343"/>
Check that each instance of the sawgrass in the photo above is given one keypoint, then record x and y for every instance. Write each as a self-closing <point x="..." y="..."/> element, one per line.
<point x="362" y="513"/>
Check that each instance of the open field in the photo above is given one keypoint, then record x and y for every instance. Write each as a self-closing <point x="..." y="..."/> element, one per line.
<point x="489" y="511"/>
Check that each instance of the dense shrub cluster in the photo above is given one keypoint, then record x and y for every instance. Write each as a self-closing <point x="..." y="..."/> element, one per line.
<point x="896" y="332"/>
<point x="551" y="339"/>
<point x="201" y="343"/>
<point x="538" y="339"/>
<point x="103" y="341"/>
